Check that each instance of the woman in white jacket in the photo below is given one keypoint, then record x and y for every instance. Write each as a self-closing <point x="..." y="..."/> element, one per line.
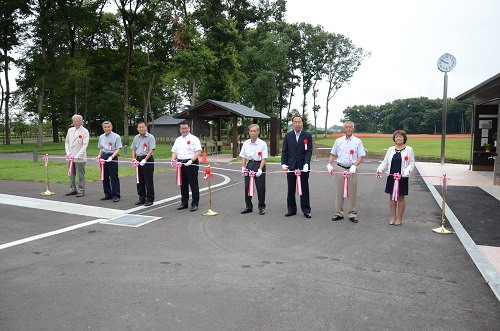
<point x="399" y="162"/>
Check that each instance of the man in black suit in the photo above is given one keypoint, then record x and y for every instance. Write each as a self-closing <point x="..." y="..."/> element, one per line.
<point x="296" y="155"/>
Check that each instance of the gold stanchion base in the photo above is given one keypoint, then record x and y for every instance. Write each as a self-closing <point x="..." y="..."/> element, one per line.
<point x="47" y="193"/>
<point x="210" y="212"/>
<point x="442" y="230"/>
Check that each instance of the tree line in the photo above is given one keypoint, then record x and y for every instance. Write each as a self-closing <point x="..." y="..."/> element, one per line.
<point x="414" y="115"/>
<point x="123" y="60"/>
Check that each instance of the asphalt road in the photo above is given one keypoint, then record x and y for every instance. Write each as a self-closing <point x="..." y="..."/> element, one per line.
<point x="186" y="271"/>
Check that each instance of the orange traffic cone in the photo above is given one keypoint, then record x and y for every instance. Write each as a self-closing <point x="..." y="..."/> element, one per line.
<point x="204" y="158"/>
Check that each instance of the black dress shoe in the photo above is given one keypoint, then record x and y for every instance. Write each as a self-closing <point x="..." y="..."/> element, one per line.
<point x="262" y="212"/>
<point x="182" y="207"/>
<point x="290" y="214"/>
<point x="246" y="211"/>
<point x="106" y="198"/>
<point x="193" y="208"/>
<point x="148" y="203"/>
<point x="337" y="218"/>
<point x="353" y="219"/>
<point x="307" y="215"/>
<point x="71" y="193"/>
<point x="140" y="202"/>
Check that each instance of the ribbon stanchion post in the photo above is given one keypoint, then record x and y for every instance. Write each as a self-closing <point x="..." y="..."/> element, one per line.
<point x="208" y="176"/>
<point x="442" y="229"/>
<point x="47" y="192"/>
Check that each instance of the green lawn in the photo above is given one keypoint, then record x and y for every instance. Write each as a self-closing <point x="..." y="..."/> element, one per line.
<point x="428" y="149"/>
<point x="457" y="150"/>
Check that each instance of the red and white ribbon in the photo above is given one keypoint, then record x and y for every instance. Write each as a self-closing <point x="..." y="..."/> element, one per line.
<point x="145" y="149"/>
<point x="172" y="163"/>
<point x="305" y="144"/>
<point x="260" y="156"/>
<point x="444" y="183"/>
<point x="101" y="163"/>
<point x="110" y="145"/>
<point x="71" y="160"/>
<point x="379" y="175"/>
<point x="135" y="163"/>
<point x="188" y="144"/>
<point x="351" y="152"/>
<point x="208" y="174"/>
<point x="46" y="159"/>
<point x="178" y="174"/>
<point x="346" y="184"/>
<point x="395" y="187"/>
<point x="298" y="182"/>
<point x="251" y="183"/>
<point x="80" y="139"/>
<point x="406" y="161"/>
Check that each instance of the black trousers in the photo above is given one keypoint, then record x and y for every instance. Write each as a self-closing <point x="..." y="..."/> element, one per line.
<point x="190" y="179"/>
<point x="304" y="198"/>
<point x="111" y="182"/>
<point x="145" y="187"/>
<point x="260" y="185"/>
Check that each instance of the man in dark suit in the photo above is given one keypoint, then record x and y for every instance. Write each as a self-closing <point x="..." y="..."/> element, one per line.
<point x="296" y="155"/>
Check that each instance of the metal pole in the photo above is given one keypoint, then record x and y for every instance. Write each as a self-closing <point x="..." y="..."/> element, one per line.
<point x="445" y="104"/>
<point x="472" y="134"/>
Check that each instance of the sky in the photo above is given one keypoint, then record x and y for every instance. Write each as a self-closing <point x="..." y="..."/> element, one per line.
<point x="405" y="38"/>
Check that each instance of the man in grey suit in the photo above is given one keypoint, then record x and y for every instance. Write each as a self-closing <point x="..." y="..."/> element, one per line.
<point x="77" y="141"/>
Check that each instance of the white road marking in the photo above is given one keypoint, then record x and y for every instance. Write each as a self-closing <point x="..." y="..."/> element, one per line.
<point x="48" y="234"/>
<point x="76" y="209"/>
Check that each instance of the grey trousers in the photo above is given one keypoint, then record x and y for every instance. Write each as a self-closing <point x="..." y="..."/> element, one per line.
<point x="78" y="170"/>
<point x="351" y="201"/>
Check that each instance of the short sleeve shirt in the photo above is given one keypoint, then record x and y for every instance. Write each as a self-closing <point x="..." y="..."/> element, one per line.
<point x="143" y="144"/>
<point x="186" y="146"/>
<point x="250" y="151"/>
<point x="109" y="143"/>
<point x="348" y="150"/>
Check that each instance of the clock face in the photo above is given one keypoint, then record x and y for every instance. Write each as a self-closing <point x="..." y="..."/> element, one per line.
<point x="446" y="62"/>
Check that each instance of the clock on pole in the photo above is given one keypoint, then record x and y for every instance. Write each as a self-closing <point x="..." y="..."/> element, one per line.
<point x="445" y="64"/>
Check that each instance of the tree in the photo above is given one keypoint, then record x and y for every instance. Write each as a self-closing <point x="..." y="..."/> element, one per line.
<point x="12" y="12"/>
<point x="342" y="60"/>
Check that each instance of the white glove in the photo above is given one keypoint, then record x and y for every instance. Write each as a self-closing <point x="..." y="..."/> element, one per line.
<point x="243" y="170"/>
<point x="406" y="173"/>
<point x="172" y="163"/>
<point x="329" y="167"/>
<point x="259" y="172"/>
<point x="379" y="170"/>
<point x="306" y="168"/>
<point x="143" y="162"/>
<point x="352" y="169"/>
<point x="284" y="167"/>
<point x="188" y="163"/>
<point x="109" y="159"/>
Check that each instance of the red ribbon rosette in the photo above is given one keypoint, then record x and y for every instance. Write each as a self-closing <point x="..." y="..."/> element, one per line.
<point x="145" y="149"/>
<point x="346" y="184"/>
<point x="260" y="156"/>
<point x="305" y="144"/>
<point x="189" y="144"/>
<point x="298" y="182"/>
<point x="110" y="145"/>
<point x="406" y="161"/>
<point x="46" y="159"/>
<point x="80" y="139"/>
<point x="351" y="152"/>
